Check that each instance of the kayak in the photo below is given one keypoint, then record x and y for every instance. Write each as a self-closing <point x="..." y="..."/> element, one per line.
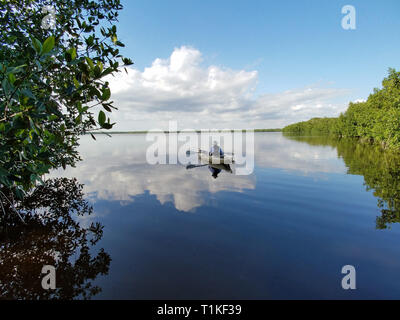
<point x="206" y="158"/>
<point x="219" y="163"/>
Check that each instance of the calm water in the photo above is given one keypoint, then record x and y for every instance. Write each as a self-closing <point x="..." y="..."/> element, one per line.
<point x="311" y="206"/>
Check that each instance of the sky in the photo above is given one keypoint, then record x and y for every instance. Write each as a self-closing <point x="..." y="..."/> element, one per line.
<point x="249" y="64"/>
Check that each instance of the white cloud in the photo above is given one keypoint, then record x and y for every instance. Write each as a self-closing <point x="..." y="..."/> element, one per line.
<point x="359" y="100"/>
<point x="198" y="96"/>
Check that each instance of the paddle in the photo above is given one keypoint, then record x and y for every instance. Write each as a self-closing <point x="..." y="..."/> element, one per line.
<point x="191" y="166"/>
<point x="189" y="152"/>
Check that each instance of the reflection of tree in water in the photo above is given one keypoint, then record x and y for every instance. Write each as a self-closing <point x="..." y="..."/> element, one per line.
<point x="380" y="168"/>
<point x="51" y="236"/>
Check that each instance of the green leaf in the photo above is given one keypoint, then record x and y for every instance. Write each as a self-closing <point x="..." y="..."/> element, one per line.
<point x="90" y="41"/>
<point x="107" y="126"/>
<point x="73" y="53"/>
<point x="28" y="93"/>
<point x="37" y="45"/>
<point x="97" y="72"/>
<point x="70" y="54"/>
<point x="102" y="118"/>
<point x="19" y="193"/>
<point x="11" y="78"/>
<point x="48" y="45"/>
<point x="18" y="68"/>
<point x="90" y="62"/>
<point x="6" y="86"/>
<point x="127" y="61"/>
<point x="33" y="177"/>
<point x="106" y="107"/>
<point x="78" y="120"/>
<point x="76" y="83"/>
<point x="100" y="65"/>
<point x="106" y="94"/>
<point x="52" y="117"/>
<point x="107" y="72"/>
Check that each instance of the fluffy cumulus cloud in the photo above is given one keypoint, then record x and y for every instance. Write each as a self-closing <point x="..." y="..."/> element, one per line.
<point x="181" y="88"/>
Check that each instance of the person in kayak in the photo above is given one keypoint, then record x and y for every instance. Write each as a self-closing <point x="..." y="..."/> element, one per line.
<point x="216" y="150"/>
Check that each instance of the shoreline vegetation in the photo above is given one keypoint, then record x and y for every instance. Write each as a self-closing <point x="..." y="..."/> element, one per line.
<point x="182" y="131"/>
<point x="51" y="78"/>
<point x="376" y="120"/>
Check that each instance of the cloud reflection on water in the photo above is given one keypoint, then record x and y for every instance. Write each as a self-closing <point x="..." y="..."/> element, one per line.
<point x="115" y="169"/>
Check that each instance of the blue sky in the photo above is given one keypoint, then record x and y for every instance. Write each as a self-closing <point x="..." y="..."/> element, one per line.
<point x="291" y="44"/>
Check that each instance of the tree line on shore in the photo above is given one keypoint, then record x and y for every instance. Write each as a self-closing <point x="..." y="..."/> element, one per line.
<point x="376" y="120"/>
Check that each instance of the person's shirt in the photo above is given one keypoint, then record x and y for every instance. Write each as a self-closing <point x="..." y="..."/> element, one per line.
<point x="216" y="150"/>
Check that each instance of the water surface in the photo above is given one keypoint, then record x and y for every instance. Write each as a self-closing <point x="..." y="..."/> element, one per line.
<point x="311" y="206"/>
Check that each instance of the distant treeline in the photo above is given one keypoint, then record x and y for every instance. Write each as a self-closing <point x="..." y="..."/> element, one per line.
<point x="377" y="119"/>
<point x="267" y="130"/>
